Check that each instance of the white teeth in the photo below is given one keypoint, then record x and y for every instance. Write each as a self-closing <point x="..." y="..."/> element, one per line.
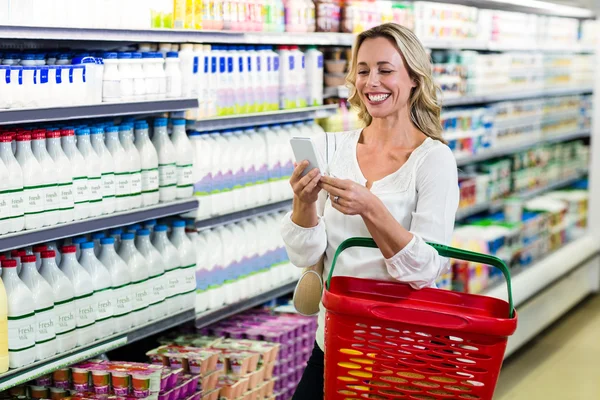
<point x="378" y="97"/>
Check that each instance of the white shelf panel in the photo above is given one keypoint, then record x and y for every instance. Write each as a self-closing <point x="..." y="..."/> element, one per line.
<point x="212" y="222"/>
<point x="271" y="117"/>
<point x="535" y="278"/>
<point x="515" y="95"/>
<point x="28" y="115"/>
<point x="336" y="91"/>
<point x="31" y="237"/>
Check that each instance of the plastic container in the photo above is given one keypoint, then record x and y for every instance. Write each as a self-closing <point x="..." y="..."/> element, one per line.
<point x="185" y="160"/>
<point x="134" y="165"/>
<point x="50" y="191"/>
<point x="173" y="75"/>
<point x="167" y="157"/>
<point x="81" y="190"/>
<point x="14" y="184"/>
<point x="64" y="176"/>
<point x="109" y="189"/>
<point x="156" y="270"/>
<point x="172" y="260"/>
<point x="111" y="79"/>
<point x="121" y="169"/>
<point x="187" y="255"/>
<point x="94" y="171"/>
<point x="149" y="164"/>
<point x="121" y="284"/>
<point x="140" y="286"/>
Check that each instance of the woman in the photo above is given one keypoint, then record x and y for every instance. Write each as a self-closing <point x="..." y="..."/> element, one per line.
<point x="395" y="180"/>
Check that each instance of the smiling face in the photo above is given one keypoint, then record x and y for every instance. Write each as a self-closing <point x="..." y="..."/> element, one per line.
<point x="382" y="80"/>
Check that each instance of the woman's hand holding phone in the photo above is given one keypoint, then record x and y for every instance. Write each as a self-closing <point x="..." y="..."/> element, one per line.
<point x="306" y="188"/>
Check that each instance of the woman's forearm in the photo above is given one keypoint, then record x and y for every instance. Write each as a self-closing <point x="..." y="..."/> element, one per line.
<point x="389" y="234"/>
<point x="303" y="214"/>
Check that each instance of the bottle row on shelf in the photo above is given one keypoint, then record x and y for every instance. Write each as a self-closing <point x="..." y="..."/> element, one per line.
<point x="57" y="173"/>
<point x="524" y="171"/>
<point x="523" y="234"/>
<point x="475" y="130"/>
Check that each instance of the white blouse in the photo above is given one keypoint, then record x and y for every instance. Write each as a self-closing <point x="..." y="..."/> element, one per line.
<point x="422" y="195"/>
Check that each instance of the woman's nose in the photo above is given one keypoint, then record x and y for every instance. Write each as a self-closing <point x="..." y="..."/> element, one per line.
<point x="373" y="80"/>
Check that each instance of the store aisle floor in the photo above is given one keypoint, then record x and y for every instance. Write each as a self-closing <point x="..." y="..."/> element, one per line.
<point x="563" y="363"/>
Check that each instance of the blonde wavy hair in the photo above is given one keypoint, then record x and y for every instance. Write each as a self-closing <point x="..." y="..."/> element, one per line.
<point x="423" y="103"/>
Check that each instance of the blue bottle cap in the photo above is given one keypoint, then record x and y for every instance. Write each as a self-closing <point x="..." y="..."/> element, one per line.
<point x="108" y="241"/>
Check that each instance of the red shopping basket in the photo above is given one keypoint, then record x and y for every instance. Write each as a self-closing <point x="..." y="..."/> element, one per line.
<point x="385" y="340"/>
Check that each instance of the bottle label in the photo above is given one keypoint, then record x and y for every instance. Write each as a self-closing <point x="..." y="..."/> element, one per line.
<point x="135" y="179"/>
<point x="111" y="89"/>
<point x="173" y="288"/>
<point x="5" y="204"/>
<point x="124" y="302"/>
<point x="141" y="295"/>
<point x="45" y="323"/>
<point x="189" y="277"/>
<point x="66" y="195"/>
<point x="150" y="180"/>
<point x="105" y="307"/>
<point x="184" y="175"/>
<point x="17" y="203"/>
<point x="122" y="185"/>
<point x="85" y="307"/>
<point x="204" y="186"/>
<point x="167" y="175"/>
<point x="95" y="189"/>
<point x="21" y="332"/>
<point x="65" y="317"/>
<point x="82" y="191"/>
<point x="34" y="196"/>
<point x="108" y="185"/>
<point x="159" y="289"/>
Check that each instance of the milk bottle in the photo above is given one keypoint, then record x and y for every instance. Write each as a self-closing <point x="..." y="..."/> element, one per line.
<point x="64" y="173"/>
<point x="107" y="170"/>
<point x="134" y="165"/>
<point x="204" y="173"/>
<point x="170" y="255"/>
<point x="237" y="168"/>
<point x="43" y="301"/>
<point x="226" y="236"/>
<point x="216" y="267"/>
<point x="314" y="76"/>
<point x="121" y="168"/>
<point x="102" y="289"/>
<point x="51" y="193"/>
<point x="94" y="171"/>
<point x="299" y="76"/>
<point x="202" y="271"/>
<point x="167" y="157"/>
<point x="221" y="159"/>
<point x="149" y="164"/>
<point x="287" y="74"/>
<point x="259" y="145"/>
<point x="81" y="190"/>
<point x="187" y="256"/>
<point x="185" y="160"/>
<point x="138" y="270"/>
<point x="241" y="272"/>
<point x="33" y="182"/>
<point x="121" y="285"/>
<point x="21" y="317"/>
<point x="15" y="194"/>
<point x="5" y="200"/>
<point x="156" y="270"/>
<point x="86" y="305"/>
<point x="77" y="242"/>
<point x="37" y="252"/>
<point x="96" y="239"/>
<point x="248" y="188"/>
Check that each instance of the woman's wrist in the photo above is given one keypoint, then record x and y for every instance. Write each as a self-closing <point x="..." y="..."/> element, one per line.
<point x="373" y="209"/>
<point x="304" y="214"/>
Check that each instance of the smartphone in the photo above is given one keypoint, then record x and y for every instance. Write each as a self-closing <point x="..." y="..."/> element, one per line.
<point x="304" y="149"/>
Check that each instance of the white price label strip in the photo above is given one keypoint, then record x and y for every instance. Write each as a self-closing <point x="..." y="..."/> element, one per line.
<point x="63" y="362"/>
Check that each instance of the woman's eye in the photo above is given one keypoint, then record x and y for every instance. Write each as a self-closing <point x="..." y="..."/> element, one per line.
<point x="385" y="71"/>
<point x="363" y="72"/>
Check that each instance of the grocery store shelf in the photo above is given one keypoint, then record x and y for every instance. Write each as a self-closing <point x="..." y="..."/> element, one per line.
<point x="506" y="150"/>
<point x="242" y="215"/>
<point x="28" y="115"/>
<point x="21" y="375"/>
<point x="336" y="91"/>
<point x="532" y="7"/>
<point x="271" y="117"/>
<point x="496" y="205"/>
<point x="173" y="36"/>
<point x="27" y="238"/>
<point x="210" y="317"/>
<point x="517" y="94"/>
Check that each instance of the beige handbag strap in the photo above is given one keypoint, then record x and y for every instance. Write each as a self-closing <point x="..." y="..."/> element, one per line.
<point x="330" y="147"/>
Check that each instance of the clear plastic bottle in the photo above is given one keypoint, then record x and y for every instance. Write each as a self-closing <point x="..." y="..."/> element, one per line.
<point x="15" y="185"/>
<point x="121" y="285"/>
<point x="122" y="179"/>
<point x="149" y="164"/>
<point x="33" y="182"/>
<point x="172" y="261"/>
<point x="50" y="176"/>
<point x="160" y="74"/>
<point x="185" y="160"/>
<point x="21" y="317"/>
<point x="97" y="238"/>
<point x="37" y="252"/>
<point x="167" y="161"/>
<point x="109" y="189"/>
<point x="138" y="270"/>
<point x="187" y="254"/>
<point x="173" y="74"/>
<point x="150" y="78"/>
<point x="81" y="189"/>
<point x="126" y="72"/>
<point x="102" y="289"/>
<point x="111" y="79"/>
<point x="64" y="174"/>
<point x="43" y="300"/>
<point x="139" y="82"/>
<point x="156" y="270"/>
<point x="94" y="171"/>
<point x="134" y="165"/>
<point x="85" y="301"/>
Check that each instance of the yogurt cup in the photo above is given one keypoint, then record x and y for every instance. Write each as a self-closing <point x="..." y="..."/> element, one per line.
<point x="39" y="392"/>
<point x="57" y="393"/>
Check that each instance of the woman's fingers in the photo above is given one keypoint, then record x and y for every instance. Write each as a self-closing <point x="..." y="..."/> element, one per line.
<point x="336" y="182"/>
<point x="312" y="184"/>
<point x="298" y="170"/>
<point x="332" y="190"/>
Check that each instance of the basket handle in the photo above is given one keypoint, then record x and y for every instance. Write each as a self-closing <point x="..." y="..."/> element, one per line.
<point x="444" y="251"/>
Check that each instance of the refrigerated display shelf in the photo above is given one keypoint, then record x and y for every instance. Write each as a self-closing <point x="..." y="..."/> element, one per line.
<point x="212" y="316"/>
<point x="262" y="118"/>
<point x="242" y="215"/>
<point x="46" y="234"/>
<point x="515" y="95"/>
<point x="149" y="107"/>
<point x="19" y="376"/>
<point x="496" y="205"/>
<point x="507" y="150"/>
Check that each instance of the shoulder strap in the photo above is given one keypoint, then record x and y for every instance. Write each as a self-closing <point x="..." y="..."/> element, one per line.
<point x="331" y="145"/>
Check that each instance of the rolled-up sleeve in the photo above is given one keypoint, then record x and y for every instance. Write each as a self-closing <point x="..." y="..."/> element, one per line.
<point x="419" y="264"/>
<point x="304" y="246"/>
